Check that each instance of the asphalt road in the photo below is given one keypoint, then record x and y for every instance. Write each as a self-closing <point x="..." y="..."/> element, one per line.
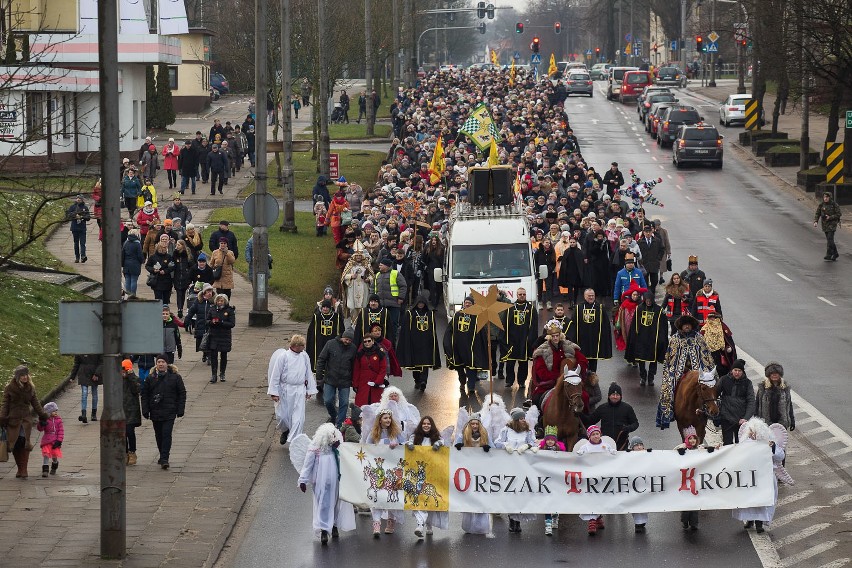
<point x="771" y="279"/>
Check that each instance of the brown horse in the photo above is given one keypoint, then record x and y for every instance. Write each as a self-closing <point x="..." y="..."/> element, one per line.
<point x="694" y="403"/>
<point x="562" y="405"/>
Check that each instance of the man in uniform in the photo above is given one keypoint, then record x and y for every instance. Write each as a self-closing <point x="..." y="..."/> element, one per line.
<point x="687" y="351"/>
<point x="465" y="349"/>
<point x="693" y="276"/>
<point x="648" y="338"/>
<point x="828" y="213"/>
<point x="326" y="324"/>
<point x="520" y="330"/>
<point x="374" y="313"/>
<point x="705" y="302"/>
<point x="590" y="329"/>
<point x="418" y="341"/>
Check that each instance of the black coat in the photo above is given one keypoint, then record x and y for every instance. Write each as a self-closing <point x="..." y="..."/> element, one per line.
<point x="183" y="271"/>
<point x="199" y="275"/>
<point x="590" y="328"/>
<point x="571" y="268"/>
<point x="162" y="281"/>
<point x="132" y="256"/>
<point x="649" y="335"/>
<point x="188" y="161"/>
<point x="335" y="364"/>
<point x="418" y="340"/>
<point x="132" y="409"/>
<point x="199" y="310"/>
<point x="736" y="398"/>
<point x="220" y="330"/>
<point x="163" y="396"/>
<point x="652" y="253"/>
<point x="321" y="330"/>
<point x="617" y="421"/>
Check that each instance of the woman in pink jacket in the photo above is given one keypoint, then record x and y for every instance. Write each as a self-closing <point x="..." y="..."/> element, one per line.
<point x="171" y="151"/>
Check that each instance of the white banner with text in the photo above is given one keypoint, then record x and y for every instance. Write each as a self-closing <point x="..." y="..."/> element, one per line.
<point x="471" y="480"/>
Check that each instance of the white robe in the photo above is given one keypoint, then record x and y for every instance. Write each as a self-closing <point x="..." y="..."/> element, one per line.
<point x="357" y="289"/>
<point x="320" y="470"/>
<point x="290" y="379"/>
<point x="437" y="519"/>
<point x="510" y="439"/>
<point x="590" y="448"/>
<point x="764" y="514"/>
<point x="474" y="523"/>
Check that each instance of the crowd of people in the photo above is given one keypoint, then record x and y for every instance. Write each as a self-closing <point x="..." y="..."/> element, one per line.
<point x="608" y="264"/>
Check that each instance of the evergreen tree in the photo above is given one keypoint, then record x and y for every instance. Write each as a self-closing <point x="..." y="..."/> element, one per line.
<point x="166" y="109"/>
<point x="150" y="98"/>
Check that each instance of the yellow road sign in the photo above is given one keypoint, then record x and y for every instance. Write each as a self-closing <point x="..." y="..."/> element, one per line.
<point x="751" y="114"/>
<point x="834" y="162"/>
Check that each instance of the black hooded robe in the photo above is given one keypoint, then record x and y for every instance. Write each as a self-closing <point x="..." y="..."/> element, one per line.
<point x="591" y="330"/>
<point x="321" y="330"/>
<point x="520" y="330"/>
<point x="648" y="338"/>
<point x="417" y="347"/>
<point x="367" y="318"/>
<point x="464" y="346"/>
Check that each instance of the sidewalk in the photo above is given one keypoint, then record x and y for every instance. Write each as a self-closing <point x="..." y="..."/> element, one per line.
<point x="180" y="517"/>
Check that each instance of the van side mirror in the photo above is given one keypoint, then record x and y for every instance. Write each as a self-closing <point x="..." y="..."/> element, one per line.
<point x="542" y="272"/>
<point x="438" y="274"/>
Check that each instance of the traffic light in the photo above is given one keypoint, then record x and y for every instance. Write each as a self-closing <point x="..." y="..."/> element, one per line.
<point x="557" y="28"/>
<point x="535" y="44"/>
<point x="482" y="28"/>
<point x="743" y="43"/>
<point x="519" y="28"/>
<point x="480" y="10"/>
<point x="597" y="51"/>
<point x="699" y="43"/>
<point x="489" y="11"/>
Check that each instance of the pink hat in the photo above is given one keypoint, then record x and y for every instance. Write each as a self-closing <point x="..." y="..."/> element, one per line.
<point x="592" y="429"/>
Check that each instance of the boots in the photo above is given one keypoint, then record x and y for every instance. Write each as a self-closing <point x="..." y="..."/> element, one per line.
<point x="377" y="529"/>
<point x="548" y="527"/>
<point x="389" y="528"/>
<point x="758" y="526"/>
<point x="53" y="467"/>
<point x="599" y="521"/>
<point x="25" y="460"/>
<point x="593" y="527"/>
<point x="94" y="414"/>
<point x="17" y="455"/>
<point x="45" y="469"/>
<point x="131" y="458"/>
<point x="82" y="418"/>
<point x="222" y="377"/>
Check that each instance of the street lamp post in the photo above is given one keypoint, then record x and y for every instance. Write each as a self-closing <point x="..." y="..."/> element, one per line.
<point x="713" y="56"/>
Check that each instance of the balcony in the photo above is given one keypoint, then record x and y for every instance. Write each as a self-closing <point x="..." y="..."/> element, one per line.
<point x="81" y="49"/>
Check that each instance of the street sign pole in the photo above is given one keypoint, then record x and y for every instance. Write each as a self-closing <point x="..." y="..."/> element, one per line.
<point x="847" y="147"/>
<point x="713" y="37"/>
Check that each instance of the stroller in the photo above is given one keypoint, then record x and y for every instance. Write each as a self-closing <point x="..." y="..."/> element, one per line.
<point x="337" y="113"/>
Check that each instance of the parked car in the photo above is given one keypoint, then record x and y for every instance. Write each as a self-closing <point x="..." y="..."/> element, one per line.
<point x="670" y="75"/>
<point x="652" y="123"/>
<point x="732" y="109"/>
<point x="616" y="74"/>
<point x="580" y="83"/>
<point x="698" y="143"/>
<point x="220" y="83"/>
<point x="633" y="83"/>
<point x="655" y="98"/>
<point x="675" y="116"/>
<point x="600" y="71"/>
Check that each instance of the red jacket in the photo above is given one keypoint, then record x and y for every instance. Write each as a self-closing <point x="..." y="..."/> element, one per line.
<point x="706" y="304"/>
<point x="170" y="156"/>
<point x="370" y="367"/>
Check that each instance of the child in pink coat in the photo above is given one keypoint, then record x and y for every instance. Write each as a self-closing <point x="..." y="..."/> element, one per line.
<point x="51" y="441"/>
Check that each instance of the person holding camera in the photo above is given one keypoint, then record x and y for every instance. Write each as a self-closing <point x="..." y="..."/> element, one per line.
<point x="163" y="401"/>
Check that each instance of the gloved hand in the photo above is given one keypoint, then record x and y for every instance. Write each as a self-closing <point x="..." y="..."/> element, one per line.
<point x="42" y="423"/>
<point x="509" y="449"/>
<point x="534" y="449"/>
<point x="437" y="446"/>
<point x="335" y="444"/>
<point x="710" y="449"/>
<point x="681" y="451"/>
<point x="57" y="444"/>
<point x="523" y="447"/>
<point x="410" y="445"/>
<point x="459" y="446"/>
<point x="180" y="353"/>
<point x="303" y="487"/>
<point x="647" y="449"/>
<point x="486" y="448"/>
<point x="371" y="384"/>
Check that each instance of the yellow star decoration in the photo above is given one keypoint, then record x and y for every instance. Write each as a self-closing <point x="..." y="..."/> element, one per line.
<point x="488" y="306"/>
<point x="361" y="455"/>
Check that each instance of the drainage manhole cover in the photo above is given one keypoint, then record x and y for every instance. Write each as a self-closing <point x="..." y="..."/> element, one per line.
<point x="67" y="491"/>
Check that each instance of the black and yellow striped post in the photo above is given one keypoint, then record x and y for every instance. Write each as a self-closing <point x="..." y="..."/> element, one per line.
<point x="834" y="162"/>
<point x="751" y="114"/>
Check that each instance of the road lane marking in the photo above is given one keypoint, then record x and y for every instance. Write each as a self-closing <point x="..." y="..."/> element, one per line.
<point x="662" y="167"/>
<point x="826" y="301"/>
<point x="647" y="150"/>
<point x="730" y="240"/>
<point x="809" y="553"/>
<point x="841" y="499"/>
<point x="714" y="225"/>
<point x="688" y="198"/>
<point x="783" y="277"/>
<point x="669" y="176"/>
<point x="679" y="187"/>
<point x="766" y="552"/>
<point x="654" y="158"/>
<point x="796" y="515"/>
<point x="796" y="537"/>
<point x="702" y="212"/>
<point x="793" y="498"/>
<point x="839" y="563"/>
<point x="754" y="258"/>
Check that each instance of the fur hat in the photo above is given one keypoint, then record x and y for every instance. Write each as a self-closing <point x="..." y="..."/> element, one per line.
<point x="684" y="319"/>
<point x="517" y="414"/>
<point x="550" y="432"/>
<point x="51" y="407"/>
<point x="773" y="367"/>
<point x="693" y="259"/>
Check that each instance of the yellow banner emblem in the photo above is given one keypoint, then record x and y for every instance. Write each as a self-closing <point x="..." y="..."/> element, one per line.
<point x="464" y="323"/>
<point x="327" y="327"/>
<point x="422" y="323"/>
<point x="647" y="319"/>
<point x="589" y="315"/>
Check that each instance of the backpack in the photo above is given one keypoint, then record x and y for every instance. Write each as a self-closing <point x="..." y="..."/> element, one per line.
<point x="146" y="195"/>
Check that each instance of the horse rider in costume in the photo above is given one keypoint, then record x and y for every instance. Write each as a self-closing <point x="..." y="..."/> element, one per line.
<point x="687" y="351"/>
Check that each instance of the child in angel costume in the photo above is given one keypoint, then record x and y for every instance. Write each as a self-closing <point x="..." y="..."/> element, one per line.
<point x="380" y="427"/>
<point x="318" y="464"/>
<point x="689" y="519"/>
<point x="472" y="434"/>
<point x="636" y="444"/>
<point x="518" y="436"/>
<point x="755" y="430"/>
<point x="427" y="434"/>
<point x="594" y="444"/>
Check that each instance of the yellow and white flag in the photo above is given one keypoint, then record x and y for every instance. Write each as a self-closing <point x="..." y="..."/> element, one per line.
<point x="438" y="165"/>
<point x="512" y="74"/>
<point x="494" y="59"/>
<point x="492" y="156"/>
<point x="552" y="69"/>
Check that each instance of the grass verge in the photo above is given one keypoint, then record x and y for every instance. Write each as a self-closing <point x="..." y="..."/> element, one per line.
<point x="351" y="131"/>
<point x="17" y="209"/>
<point x="358" y="166"/>
<point x="303" y="263"/>
<point x="29" y="316"/>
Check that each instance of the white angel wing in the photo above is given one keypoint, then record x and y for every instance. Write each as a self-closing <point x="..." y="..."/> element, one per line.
<point x="462" y="419"/>
<point x="532" y="416"/>
<point x="411" y="417"/>
<point x="780" y="435"/>
<point x="298" y="451"/>
<point x="447" y="435"/>
<point x="743" y="432"/>
<point x="368" y="419"/>
<point x="580" y="443"/>
<point x="609" y="441"/>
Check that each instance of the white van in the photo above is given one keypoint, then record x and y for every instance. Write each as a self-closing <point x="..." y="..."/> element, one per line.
<point x="485" y="246"/>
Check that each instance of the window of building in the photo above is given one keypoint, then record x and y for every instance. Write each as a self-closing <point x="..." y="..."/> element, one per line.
<point x="35" y="115"/>
<point x="173" y="78"/>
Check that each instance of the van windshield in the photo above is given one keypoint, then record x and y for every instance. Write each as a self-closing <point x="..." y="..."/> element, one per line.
<point x="491" y="261"/>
